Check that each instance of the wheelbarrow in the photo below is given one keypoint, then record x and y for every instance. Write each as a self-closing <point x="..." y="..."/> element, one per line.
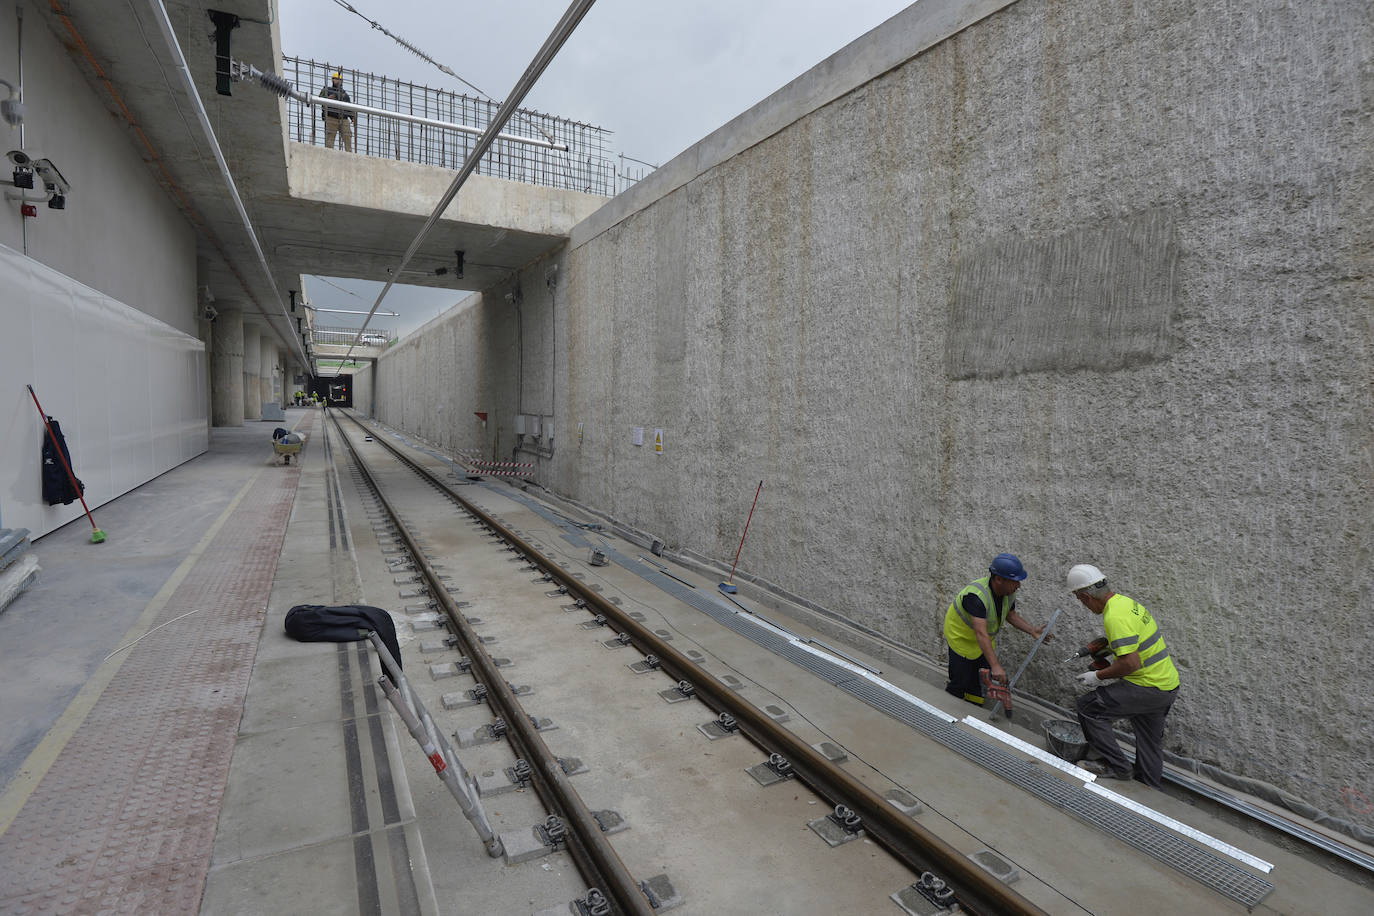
<point x="288" y="445"/>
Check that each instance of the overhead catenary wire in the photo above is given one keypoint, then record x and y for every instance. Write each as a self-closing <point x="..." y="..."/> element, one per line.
<point x="571" y="17"/>
<point x="408" y="46"/>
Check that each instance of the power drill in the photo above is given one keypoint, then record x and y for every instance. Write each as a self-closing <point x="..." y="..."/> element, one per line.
<point x="1102" y="656"/>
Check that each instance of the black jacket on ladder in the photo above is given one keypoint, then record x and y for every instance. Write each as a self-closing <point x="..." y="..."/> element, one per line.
<point x="57" y="486"/>
<point x="341" y="623"/>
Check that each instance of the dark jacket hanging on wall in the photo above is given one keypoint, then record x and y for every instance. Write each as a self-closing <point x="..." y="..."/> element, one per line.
<point x="57" y="486"/>
<point x="341" y="623"/>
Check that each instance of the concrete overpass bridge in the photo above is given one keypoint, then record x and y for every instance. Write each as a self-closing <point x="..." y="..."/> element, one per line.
<point x="313" y="210"/>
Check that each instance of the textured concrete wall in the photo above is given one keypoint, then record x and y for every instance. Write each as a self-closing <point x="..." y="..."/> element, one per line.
<point x="1085" y="281"/>
<point x="433" y="382"/>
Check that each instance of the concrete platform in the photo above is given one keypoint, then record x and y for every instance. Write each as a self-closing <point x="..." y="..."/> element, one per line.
<point x="166" y="748"/>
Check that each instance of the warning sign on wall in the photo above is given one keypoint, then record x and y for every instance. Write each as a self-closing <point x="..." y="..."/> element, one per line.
<point x="658" y="441"/>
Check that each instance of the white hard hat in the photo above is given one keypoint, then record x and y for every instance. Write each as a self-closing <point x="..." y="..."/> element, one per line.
<point x="1083" y="575"/>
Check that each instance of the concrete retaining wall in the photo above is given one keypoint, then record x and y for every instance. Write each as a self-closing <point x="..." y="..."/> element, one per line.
<point x="1083" y="281"/>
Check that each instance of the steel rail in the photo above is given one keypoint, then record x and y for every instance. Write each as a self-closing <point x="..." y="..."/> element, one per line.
<point x="596" y="860"/>
<point x="910" y="842"/>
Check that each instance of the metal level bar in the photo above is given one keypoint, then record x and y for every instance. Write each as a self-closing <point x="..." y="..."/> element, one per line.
<point x="1025" y="662"/>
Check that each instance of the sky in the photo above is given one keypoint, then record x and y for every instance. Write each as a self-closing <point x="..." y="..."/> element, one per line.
<point x="660" y="75"/>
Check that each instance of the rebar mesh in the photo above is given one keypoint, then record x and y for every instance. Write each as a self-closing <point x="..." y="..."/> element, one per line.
<point x="372" y="337"/>
<point x="587" y="165"/>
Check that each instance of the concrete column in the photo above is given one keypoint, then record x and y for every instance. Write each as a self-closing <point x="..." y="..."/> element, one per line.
<point x="205" y="330"/>
<point x="288" y="372"/>
<point x="279" y="376"/>
<point x="268" y="367"/>
<point x="226" y="369"/>
<point x="252" y="371"/>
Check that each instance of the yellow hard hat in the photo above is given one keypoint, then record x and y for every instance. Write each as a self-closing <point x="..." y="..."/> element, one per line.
<point x="336" y="75"/>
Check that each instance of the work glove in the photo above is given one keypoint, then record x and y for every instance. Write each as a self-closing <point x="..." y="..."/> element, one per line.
<point x="1088" y="679"/>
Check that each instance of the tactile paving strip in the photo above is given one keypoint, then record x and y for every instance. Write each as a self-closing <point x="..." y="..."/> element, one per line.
<point x="125" y="819"/>
<point x="1150" y="838"/>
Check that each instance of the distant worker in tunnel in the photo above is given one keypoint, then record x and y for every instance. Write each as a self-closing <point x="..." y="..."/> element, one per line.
<point x="337" y="121"/>
<point x="972" y="621"/>
<point x="1143" y="682"/>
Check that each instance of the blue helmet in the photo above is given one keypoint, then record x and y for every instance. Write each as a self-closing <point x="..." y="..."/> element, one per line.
<point x="1007" y="566"/>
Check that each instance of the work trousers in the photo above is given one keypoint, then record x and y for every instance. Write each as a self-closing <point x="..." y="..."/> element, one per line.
<point x="343" y="127"/>
<point x="1146" y="707"/>
<point x="964" y="681"/>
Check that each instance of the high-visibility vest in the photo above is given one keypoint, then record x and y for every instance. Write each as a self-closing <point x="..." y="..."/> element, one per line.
<point x="959" y="627"/>
<point x="1131" y="628"/>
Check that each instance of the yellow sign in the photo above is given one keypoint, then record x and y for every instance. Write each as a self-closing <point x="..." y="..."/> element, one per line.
<point x="579" y="432"/>
<point x="658" y="441"/>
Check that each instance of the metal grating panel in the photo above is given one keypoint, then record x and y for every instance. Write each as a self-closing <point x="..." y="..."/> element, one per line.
<point x="1145" y="835"/>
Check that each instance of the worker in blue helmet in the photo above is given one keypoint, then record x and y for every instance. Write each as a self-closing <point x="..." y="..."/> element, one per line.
<point x="972" y="621"/>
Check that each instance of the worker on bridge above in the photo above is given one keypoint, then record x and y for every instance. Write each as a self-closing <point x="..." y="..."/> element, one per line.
<point x="1145" y="691"/>
<point x="972" y="622"/>
<point x="337" y="121"/>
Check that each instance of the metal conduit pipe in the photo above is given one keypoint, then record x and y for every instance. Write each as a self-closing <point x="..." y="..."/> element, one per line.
<point x="917" y="847"/>
<point x="596" y="859"/>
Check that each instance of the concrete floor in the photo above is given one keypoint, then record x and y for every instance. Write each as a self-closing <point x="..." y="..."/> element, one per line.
<point x="325" y="806"/>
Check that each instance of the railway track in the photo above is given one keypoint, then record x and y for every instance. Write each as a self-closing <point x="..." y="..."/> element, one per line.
<point x="909" y="864"/>
<point x="944" y="874"/>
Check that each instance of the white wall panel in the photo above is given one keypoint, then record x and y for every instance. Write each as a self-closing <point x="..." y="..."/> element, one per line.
<point x="128" y="389"/>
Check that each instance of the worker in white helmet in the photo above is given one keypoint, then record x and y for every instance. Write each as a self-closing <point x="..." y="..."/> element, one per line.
<point x="1139" y="685"/>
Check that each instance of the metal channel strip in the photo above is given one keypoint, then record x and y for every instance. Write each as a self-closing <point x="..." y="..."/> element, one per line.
<point x="1150" y="838"/>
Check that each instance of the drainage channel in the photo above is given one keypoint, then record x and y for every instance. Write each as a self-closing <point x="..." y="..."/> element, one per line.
<point x="912" y="844"/>
<point x="591" y="852"/>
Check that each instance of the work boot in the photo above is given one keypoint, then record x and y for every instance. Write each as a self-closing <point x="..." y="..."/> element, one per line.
<point x="1101" y="771"/>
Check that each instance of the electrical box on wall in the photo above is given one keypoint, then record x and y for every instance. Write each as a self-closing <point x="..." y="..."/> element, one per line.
<point x="519" y="424"/>
<point x="534" y="426"/>
<point x="548" y="428"/>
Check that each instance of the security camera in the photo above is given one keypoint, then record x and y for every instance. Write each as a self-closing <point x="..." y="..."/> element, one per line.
<point x="19" y="157"/>
<point x="52" y="178"/>
<point x="210" y="314"/>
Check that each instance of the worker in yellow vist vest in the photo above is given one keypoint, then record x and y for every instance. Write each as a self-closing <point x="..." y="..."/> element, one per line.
<point x="971" y="624"/>
<point x="1142" y="682"/>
